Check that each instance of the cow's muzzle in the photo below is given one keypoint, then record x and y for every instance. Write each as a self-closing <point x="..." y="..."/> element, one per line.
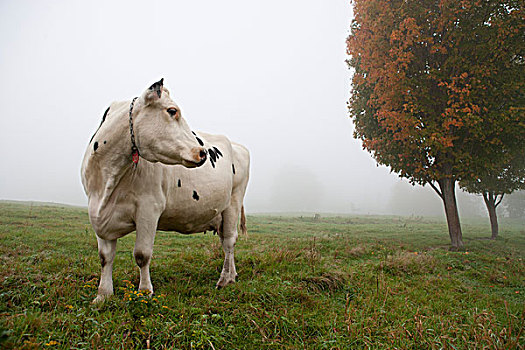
<point x="198" y="158"/>
<point x="203" y="154"/>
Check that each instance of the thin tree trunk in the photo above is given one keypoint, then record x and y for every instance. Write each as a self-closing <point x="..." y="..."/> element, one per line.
<point x="490" y="202"/>
<point x="448" y="194"/>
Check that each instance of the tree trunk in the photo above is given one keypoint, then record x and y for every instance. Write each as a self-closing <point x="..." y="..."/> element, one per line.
<point x="448" y="194"/>
<point x="490" y="201"/>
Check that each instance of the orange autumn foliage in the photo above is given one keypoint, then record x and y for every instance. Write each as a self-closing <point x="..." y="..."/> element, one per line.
<point x="438" y="88"/>
<point x="435" y="80"/>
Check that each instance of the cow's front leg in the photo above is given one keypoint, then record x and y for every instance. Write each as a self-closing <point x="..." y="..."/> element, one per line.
<point x="106" y="252"/>
<point x="228" y="238"/>
<point x="143" y="252"/>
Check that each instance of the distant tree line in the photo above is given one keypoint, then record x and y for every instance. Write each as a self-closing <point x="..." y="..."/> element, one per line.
<point x="513" y="205"/>
<point x="438" y="95"/>
<point x="420" y="201"/>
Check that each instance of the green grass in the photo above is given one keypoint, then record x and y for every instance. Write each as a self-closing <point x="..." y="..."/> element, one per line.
<point x="333" y="283"/>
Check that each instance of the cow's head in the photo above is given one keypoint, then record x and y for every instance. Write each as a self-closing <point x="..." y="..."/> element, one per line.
<point x="162" y="135"/>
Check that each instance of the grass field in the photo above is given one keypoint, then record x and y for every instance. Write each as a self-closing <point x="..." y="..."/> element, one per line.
<point x="332" y="283"/>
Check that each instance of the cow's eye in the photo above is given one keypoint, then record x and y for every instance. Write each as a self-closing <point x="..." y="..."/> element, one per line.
<point x="172" y="111"/>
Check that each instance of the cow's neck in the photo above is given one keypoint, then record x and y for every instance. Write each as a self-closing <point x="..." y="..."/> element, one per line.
<point x="110" y="162"/>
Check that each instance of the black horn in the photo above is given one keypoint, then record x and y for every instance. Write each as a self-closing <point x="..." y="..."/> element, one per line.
<point x="157" y="86"/>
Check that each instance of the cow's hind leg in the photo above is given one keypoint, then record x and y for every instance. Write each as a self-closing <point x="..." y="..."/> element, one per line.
<point x="230" y="215"/>
<point x="228" y="236"/>
<point x="143" y="252"/>
<point x="106" y="252"/>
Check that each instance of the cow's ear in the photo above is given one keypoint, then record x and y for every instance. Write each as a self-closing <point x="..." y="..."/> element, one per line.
<point x="153" y="93"/>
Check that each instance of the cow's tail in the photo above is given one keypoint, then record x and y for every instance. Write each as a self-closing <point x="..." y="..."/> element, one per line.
<point x="244" y="231"/>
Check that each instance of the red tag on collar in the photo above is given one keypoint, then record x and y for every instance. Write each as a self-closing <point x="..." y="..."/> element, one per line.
<point x="136" y="157"/>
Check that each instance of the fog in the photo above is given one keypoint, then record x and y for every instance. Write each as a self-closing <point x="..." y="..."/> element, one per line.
<point x="268" y="74"/>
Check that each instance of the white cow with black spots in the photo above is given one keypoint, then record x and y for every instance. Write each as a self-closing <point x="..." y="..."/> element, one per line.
<point x="145" y="170"/>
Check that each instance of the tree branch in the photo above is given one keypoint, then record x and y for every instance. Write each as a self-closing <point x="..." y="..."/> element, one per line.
<point x="485" y="197"/>
<point x="436" y="189"/>
<point x="500" y="199"/>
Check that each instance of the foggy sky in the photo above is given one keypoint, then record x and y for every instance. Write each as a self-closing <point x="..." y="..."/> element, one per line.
<point x="268" y="74"/>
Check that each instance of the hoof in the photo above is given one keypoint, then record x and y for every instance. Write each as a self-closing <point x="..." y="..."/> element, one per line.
<point x="225" y="280"/>
<point x="100" y="299"/>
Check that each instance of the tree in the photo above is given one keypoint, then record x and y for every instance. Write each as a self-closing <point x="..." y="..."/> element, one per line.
<point x="514" y="205"/>
<point x="503" y="177"/>
<point x="435" y="80"/>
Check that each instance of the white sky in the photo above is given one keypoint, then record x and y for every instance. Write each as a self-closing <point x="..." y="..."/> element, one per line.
<point x="268" y="74"/>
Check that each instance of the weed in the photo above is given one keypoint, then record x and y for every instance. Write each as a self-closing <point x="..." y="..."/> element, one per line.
<point x="332" y="283"/>
<point x="409" y="263"/>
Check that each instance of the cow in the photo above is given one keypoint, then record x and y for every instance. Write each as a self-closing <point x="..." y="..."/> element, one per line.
<point x="145" y="170"/>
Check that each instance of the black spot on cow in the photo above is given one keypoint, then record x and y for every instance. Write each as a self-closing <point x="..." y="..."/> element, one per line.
<point x="195" y="195"/>
<point x="95" y="146"/>
<point x="141" y="259"/>
<point x="103" y="119"/>
<point x="179" y="184"/>
<point x="104" y="141"/>
<point x="104" y="116"/>
<point x="212" y="154"/>
<point x="199" y="141"/>
<point x="233" y="169"/>
<point x="218" y="152"/>
<point x="194" y="134"/>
